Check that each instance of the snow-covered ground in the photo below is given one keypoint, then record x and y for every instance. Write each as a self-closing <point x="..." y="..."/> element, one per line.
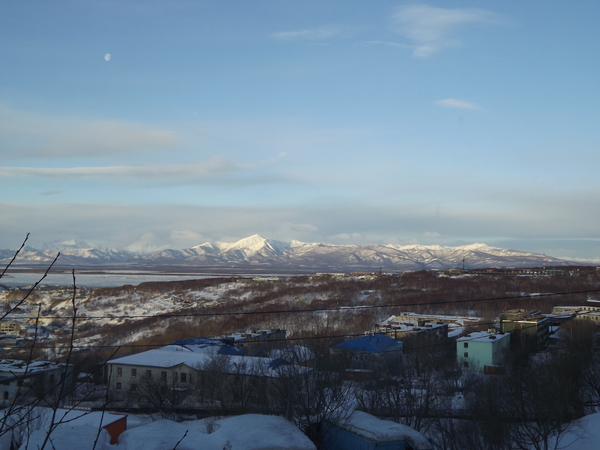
<point x="82" y="430"/>
<point x="582" y="434"/>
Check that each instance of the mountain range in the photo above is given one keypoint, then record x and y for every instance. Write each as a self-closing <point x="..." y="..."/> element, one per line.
<point x="259" y="252"/>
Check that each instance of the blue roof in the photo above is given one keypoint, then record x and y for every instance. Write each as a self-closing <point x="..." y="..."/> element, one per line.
<point x="375" y="343"/>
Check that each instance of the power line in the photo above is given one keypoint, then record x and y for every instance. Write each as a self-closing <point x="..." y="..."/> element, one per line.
<point x="307" y="310"/>
<point x="447" y="342"/>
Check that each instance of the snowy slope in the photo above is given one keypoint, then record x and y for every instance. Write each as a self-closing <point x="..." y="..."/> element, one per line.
<point x="257" y="251"/>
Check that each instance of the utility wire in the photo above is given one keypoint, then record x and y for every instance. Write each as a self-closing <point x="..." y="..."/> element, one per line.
<point x="307" y="310"/>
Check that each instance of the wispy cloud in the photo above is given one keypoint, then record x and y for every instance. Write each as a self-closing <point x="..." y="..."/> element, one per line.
<point x="457" y="104"/>
<point x="214" y="166"/>
<point x="390" y="44"/>
<point x="107" y="137"/>
<point x="54" y="192"/>
<point x="310" y="34"/>
<point x="432" y="29"/>
<point x="26" y="134"/>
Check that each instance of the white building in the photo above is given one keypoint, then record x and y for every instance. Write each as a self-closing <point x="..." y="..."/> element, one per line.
<point x="34" y="378"/>
<point x="176" y="368"/>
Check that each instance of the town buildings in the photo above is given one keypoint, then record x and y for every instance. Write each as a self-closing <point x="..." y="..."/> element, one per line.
<point x="253" y="339"/>
<point x="530" y="329"/>
<point x="19" y="379"/>
<point x="173" y="371"/>
<point x="364" y="350"/>
<point x="480" y="349"/>
<point x="416" y="333"/>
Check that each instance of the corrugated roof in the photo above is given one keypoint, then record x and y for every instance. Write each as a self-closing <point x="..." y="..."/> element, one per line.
<point x="375" y="343"/>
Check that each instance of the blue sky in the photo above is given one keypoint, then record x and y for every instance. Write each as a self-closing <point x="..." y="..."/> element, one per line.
<point x="147" y="124"/>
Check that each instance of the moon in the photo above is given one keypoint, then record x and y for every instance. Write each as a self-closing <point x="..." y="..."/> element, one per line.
<point x="107" y="57"/>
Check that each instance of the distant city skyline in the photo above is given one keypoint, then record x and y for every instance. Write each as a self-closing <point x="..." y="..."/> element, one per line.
<point x="172" y="123"/>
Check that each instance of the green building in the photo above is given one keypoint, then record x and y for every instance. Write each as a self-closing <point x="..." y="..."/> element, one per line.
<point x="481" y="349"/>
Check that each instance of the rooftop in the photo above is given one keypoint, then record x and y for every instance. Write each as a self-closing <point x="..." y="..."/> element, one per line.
<point x="375" y="343"/>
<point x="19" y="367"/>
<point x="483" y="336"/>
<point x="371" y="427"/>
<point x="170" y="356"/>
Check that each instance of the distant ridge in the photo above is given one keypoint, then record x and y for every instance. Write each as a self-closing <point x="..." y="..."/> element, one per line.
<point x="258" y="252"/>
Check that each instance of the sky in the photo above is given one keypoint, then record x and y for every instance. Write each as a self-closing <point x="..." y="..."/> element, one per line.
<point x="145" y="124"/>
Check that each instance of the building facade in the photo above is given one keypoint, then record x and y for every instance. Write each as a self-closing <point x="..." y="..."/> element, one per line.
<point x="480" y="349"/>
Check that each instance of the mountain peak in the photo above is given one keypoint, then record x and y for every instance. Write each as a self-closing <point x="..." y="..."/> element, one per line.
<point x="260" y="251"/>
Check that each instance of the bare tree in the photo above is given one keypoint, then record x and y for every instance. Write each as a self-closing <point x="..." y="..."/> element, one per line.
<point x="313" y="397"/>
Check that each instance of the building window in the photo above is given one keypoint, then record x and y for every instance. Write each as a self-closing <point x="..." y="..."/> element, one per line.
<point x="163" y="375"/>
<point x="183" y="377"/>
<point x="133" y="373"/>
<point x="118" y="386"/>
<point x="466" y="364"/>
<point x="133" y="387"/>
<point x="466" y="354"/>
<point x="5" y="395"/>
<point x="119" y="371"/>
<point x="466" y="345"/>
<point x="148" y="374"/>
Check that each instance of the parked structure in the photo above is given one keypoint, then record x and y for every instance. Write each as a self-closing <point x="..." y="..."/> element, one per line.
<point x="480" y="349"/>
<point x="366" y="432"/>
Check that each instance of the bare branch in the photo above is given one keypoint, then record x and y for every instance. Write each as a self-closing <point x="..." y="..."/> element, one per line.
<point x="32" y="288"/>
<point x="14" y="256"/>
<point x="179" y="442"/>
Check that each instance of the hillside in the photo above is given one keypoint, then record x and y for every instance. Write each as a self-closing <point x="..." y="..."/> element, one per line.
<point x="257" y="252"/>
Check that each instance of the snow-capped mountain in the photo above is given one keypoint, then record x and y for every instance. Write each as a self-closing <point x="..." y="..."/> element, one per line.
<point x="71" y="252"/>
<point x="259" y="252"/>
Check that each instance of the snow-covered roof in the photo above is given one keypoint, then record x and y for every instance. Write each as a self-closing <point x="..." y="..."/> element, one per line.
<point x="16" y="367"/>
<point x="411" y="316"/>
<point x="483" y="336"/>
<point x="370" y="427"/>
<point x="207" y="345"/>
<point x="294" y="353"/>
<point x="246" y="432"/>
<point x="169" y="356"/>
<point x="75" y="429"/>
<point x="250" y="334"/>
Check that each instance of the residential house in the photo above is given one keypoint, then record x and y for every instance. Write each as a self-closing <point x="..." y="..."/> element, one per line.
<point x="480" y="349"/>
